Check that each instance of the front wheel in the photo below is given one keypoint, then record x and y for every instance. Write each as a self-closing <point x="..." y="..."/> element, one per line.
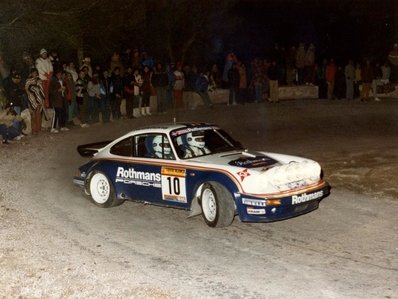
<point x="218" y="207"/>
<point x="101" y="191"/>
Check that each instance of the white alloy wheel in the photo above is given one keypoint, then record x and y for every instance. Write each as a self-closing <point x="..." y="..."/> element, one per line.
<point x="218" y="207"/>
<point x="209" y="204"/>
<point x="100" y="188"/>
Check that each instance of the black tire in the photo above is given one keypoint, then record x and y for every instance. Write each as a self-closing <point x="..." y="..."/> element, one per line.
<point x="101" y="191"/>
<point x="218" y="208"/>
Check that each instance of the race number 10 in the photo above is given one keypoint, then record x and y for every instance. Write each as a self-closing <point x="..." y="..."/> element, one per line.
<point x="173" y="185"/>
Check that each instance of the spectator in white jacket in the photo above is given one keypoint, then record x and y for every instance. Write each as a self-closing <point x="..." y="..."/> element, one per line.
<point x="45" y="69"/>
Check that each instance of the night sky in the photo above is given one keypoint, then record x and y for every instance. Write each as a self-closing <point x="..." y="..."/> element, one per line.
<point x="339" y="29"/>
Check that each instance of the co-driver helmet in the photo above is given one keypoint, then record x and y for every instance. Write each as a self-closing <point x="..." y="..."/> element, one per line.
<point x="196" y="139"/>
<point x="160" y="144"/>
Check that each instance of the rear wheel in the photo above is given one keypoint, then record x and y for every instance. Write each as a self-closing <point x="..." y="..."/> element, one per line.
<point x="218" y="207"/>
<point x="101" y="191"/>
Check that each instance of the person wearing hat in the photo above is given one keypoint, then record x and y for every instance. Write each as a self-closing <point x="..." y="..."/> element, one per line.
<point x="14" y="91"/>
<point x="15" y="94"/>
<point x="45" y="69"/>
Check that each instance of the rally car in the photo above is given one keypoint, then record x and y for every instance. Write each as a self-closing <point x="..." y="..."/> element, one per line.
<point x="200" y="168"/>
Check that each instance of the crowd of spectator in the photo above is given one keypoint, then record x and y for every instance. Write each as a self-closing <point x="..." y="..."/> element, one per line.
<point x="60" y="94"/>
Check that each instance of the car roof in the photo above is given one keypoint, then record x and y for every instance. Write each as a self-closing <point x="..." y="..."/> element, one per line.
<point x="168" y="127"/>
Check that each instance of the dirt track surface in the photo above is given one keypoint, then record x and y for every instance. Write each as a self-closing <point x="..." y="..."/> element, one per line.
<point x="54" y="243"/>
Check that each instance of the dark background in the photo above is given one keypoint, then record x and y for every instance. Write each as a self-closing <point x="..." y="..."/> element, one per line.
<point x="339" y="29"/>
<point x="200" y="32"/>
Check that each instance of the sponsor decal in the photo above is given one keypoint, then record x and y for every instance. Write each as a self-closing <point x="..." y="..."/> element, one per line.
<point x="140" y="178"/>
<point x="243" y="174"/>
<point x="187" y="130"/>
<point x="173" y="184"/>
<point x="253" y="211"/>
<point x="296" y="199"/>
<point x="253" y="162"/>
<point x="297" y="184"/>
<point x="254" y="202"/>
<point x="173" y="172"/>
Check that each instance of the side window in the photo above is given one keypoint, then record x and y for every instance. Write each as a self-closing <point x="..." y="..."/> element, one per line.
<point x="153" y="146"/>
<point x="142" y="146"/>
<point x="123" y="148"/>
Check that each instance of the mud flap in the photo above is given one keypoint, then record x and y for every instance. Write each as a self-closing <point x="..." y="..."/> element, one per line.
<point x="195" y="208"/>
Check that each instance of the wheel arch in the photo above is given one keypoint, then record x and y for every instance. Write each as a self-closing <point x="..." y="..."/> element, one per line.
<point x="215" y="177"/>
<point x="95" y="168"/>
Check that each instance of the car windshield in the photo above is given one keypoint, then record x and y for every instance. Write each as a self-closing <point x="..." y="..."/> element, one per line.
<point x="200" y="141"/>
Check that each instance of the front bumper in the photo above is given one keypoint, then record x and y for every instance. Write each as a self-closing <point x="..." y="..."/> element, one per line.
<point x="278" y="207"/>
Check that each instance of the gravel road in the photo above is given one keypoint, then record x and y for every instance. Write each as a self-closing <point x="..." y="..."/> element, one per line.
<point x="54" y="243"/>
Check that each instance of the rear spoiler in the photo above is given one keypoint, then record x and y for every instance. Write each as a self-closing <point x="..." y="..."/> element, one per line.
<point x="89" y="150"/>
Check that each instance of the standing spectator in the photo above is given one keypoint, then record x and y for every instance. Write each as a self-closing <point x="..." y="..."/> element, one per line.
<point x="278" y="54"/>
<point x="300" y="63"/>
<point x="291" y="66"/>
<point x="146" y="89"/>
<point x="116" y="62"/>
<point x="117" y="83"/>
<point x="258" y="80"/>
<point x="321" y="79"/>
<point x="71" y="69"/>
<point x="58" y="102"/>
<point x="367" y="79"/>
<point x="179" y="84"/>
<point x="215" y="74"/>
<point x="233" y="82"/>
<point x="330" y="76"/>
<point x="358" y="80"/>
<point x="273" y="82"/>
<point x="136" y="59"/>
<point x="202" y="88"/>
<point x="339" y="85"/>
<point x="309" y="68"/>
<point x="94" y="98"/>
<point x="137" y="103"/>
<point x="106" y="91"/>
<point x="34" y="91"/>
<point x="45" y="69"/>
<point x="160" y="81"/>
<point x="230" y="59"/>
<point x="393" y="59"/>
<point x="71" y="97"/>
<point x="82" y="98"/>
<point x="170" y="87"/>
<point x="146" y="59"/>
<point x="54" y="57"/>
<point x="86" y="64"/>
<point x="376" y="81"/>
<point x="349" y="73"/>
<point x="129" y="91"/>
<point x="242" y="82"/>
<point x="386" y="72"/>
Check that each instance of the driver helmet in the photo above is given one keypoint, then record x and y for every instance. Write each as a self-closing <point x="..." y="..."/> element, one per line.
<point x="160" y="145"/>
<point x="196" y="139"/>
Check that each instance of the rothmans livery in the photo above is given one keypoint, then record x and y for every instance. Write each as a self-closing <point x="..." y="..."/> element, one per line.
<point x="200" y="168"/>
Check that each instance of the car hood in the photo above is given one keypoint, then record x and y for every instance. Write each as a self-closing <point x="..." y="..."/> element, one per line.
<point x="263" y="172"/>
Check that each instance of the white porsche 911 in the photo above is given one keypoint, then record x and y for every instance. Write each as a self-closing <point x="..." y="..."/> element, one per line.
<point x="200" y="168"/>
